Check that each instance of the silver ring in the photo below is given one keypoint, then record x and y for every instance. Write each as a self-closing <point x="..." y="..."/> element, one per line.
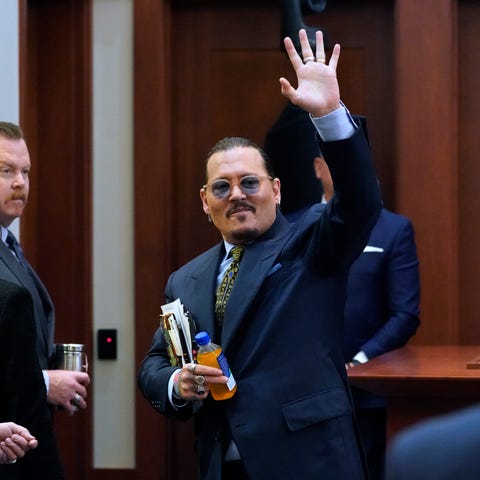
<point x="10" y="462"/>
<point x="200" y="389"/>
<point x="192" y="367"/>
<point x="199" y="379"/>
<point x="308" y="59"/>
<point x="76" y="400"/>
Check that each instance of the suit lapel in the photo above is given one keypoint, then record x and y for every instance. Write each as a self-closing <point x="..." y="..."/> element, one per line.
<point x="41" y="299"/>
<point x="202" y="290"/>
<point x="12" y="264"/>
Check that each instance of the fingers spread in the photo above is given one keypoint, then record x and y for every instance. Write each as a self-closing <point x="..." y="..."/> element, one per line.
<point x="320" y="48"/>
<point x="334" y="58"/>
<point x="295" y="59"/>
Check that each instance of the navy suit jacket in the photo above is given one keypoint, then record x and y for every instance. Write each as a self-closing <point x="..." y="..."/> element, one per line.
<point x="383" y="295"/>
<point x="291" y="416"/>
<point x="12" y="271"/>
<point x="23" y="399"/>
<point x="441" y="448"/>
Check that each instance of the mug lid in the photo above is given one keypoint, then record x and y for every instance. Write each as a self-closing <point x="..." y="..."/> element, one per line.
<point x="70" y="347"/>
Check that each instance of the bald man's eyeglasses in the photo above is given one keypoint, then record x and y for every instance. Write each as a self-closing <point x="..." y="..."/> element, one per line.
<point x="249" y="185"/>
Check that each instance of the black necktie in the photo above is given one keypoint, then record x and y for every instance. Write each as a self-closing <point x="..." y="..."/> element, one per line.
<point x="226" y="285"/>
<point x="15" y="247"/>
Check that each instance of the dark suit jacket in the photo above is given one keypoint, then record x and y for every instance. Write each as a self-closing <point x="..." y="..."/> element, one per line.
<point x="12" y="271"/>
<point x="23" y="399"/>
<point x="442" y="448"/>
<point x="291" y="416"/>
<point x="383" y="295"/>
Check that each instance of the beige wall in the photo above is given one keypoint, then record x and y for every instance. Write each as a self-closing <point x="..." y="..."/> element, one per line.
<point x="9" y="87"/>
<point x="114" y="381"/>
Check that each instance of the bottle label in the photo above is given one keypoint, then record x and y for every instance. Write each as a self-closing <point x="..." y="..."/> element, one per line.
<point x="223" y="364"/>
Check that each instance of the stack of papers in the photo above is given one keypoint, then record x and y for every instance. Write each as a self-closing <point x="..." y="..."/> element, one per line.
<point x="178" y="328"/>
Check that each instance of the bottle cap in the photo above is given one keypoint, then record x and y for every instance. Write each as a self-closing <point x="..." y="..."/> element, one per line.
<point x="202" y="338"/>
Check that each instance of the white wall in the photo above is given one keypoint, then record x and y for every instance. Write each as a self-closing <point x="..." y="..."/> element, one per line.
<point x="9" y="71"/>
<point x="113" y="274"/>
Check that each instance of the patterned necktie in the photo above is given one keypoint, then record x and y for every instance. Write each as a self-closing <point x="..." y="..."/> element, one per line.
<point x="15" y="247"/>
<point x="226" y="285"/>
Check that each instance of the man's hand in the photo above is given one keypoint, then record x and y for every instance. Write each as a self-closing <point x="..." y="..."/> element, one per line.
<point x="193" y="377"/>
<point x="67" y="389"/>
<point x="15" y="440"/>
<point x="317" y="91"/>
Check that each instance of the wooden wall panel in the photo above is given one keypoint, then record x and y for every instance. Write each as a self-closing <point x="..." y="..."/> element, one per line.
<point x="154" y="215"/>
<point x="56" y="228"/>
<point x="468" y="172"/>
<point x="426" y="148"/>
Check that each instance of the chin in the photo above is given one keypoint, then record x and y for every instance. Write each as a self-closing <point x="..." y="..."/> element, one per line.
<point x="244" y="236"/>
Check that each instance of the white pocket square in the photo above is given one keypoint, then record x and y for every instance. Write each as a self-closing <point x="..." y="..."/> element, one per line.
<point x="369" y="248"/>
<point x="274" y="269"/>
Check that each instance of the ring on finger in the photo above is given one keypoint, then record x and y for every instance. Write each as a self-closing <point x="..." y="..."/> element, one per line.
<point x="10" y="462"/>
<point x="199" y="379"/>
<point x="308" y="59"/>
<point x="200" y="389"/>
<point x="192" y="367"/>
<point x="321" y="60"/>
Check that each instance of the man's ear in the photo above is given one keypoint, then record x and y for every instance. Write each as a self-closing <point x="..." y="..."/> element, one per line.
<point x="318" y="164"/>
<point x="203" y="196"/>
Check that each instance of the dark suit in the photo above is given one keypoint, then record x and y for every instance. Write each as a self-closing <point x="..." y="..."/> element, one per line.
<point x="23" y="399"/>
<point x="383" y="293"/>
<point x="12" y="271"/>
<point x="442" y="448"/>
<point x="291" y="416"/>
<point x="381" y="314"/>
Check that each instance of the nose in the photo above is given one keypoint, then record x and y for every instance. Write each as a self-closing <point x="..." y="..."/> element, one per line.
<point x="19" y="180"/>
<point x="236" y="192"/>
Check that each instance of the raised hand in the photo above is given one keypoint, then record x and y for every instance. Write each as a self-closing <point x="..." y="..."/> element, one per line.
<point x="317" y="91"/>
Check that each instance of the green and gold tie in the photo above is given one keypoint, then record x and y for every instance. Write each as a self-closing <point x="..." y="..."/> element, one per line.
<point x="226" y="285"/>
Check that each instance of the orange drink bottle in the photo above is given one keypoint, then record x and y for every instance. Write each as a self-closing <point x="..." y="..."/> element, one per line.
<point x="212" y="355"/>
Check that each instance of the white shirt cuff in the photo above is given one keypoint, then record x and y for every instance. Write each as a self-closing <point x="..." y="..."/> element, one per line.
<point x="360" y="357"/>
<point x="337" y="125"/>
<point x="174" y="401"/>
<point x="46" y="379"/>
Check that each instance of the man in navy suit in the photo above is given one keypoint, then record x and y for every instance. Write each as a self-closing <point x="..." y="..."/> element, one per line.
<point x="441" y="448"/>
<point x="291" y="416"/>
<point x="381" y="311"/>
<point x="63" y="387"/>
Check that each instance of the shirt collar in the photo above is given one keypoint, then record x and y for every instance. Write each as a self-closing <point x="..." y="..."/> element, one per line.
<point x="4" y="233"/>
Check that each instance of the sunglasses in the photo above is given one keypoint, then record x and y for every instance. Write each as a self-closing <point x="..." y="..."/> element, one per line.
<point x="249" y="185"/>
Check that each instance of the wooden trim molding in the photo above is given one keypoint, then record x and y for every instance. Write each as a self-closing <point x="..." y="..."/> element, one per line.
<point x="56" y="229"/>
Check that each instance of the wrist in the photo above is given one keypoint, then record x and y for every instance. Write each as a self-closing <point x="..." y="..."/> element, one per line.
<point x="326" y="110"/>
<point x="176" y="385"/>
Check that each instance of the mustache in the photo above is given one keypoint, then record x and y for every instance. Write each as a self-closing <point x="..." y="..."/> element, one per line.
<point x="17" y="196"/>
<point x="240" y="205"/>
